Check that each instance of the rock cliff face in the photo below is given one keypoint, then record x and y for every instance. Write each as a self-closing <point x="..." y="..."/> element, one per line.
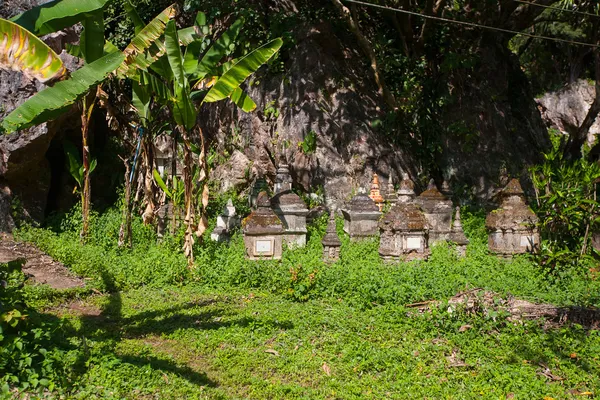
<point x="324" y="92"/>
<point x="25" y="175"/>
<point x="566" y="108"/>
<point x="327" y="89"/>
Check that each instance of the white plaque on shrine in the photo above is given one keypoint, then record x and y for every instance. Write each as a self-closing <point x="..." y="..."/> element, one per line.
<point x="527" y="241"/>
<point x="263" y="247"/>
<point x="413" y="243"/>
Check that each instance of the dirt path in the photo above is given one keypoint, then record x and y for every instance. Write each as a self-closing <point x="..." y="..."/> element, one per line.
<point x="39" y="266"/>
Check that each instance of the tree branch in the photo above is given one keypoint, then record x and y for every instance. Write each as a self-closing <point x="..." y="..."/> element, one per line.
<point x="368" y="50"/>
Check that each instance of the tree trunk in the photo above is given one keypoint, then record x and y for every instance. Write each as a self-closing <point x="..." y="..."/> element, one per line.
<point x="149" y="192"/>
<point x="125" y="229"/>
<point x="368" y="50"/>
<point x="86" y="190"/>
<point x="189" y="197"/>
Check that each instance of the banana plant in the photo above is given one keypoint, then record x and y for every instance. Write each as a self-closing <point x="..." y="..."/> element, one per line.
<point x="188" y="73"/>
<point x="101" y="60"/>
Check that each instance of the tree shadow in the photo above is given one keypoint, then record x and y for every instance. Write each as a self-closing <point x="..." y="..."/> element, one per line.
<point x="110" y="326"/>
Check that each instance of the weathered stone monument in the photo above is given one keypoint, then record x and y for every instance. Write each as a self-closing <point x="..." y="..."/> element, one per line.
<point x="226" y="223"/>
<point x="404" y="228"/>
<point x="375" y="193"/>
<point x="512" y="228"/>
<point x="438" y="213"/>
<point x="391" y="195"/>
<point x="361" y="217"/>
<point x="283" y="180"/>
<point x="290" y="209"/>
<point x="263" y="231"/>
<point x="457" y="236"/>
<point x="331" y="242"/>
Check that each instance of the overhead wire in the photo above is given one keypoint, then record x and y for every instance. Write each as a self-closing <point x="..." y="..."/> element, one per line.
<point x="471" y="24"/>
<point x="557" y="8"/>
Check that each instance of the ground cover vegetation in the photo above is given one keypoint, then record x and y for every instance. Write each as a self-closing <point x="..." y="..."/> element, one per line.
<point x="178" y="316"/>
<point x="305" y="329"/>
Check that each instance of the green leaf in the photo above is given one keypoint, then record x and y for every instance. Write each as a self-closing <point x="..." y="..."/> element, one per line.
<point x="52" y="101"/>
<point x="183" y="109"/>
<point x="74" y="161"/>
<point x="145" y="48"/>
<point x="140" y="98"/>
<point x="93" y="165"/>
<point x="20" y="50"/>
<point x="138" y="22"/>
<point x="156" y="87"/>
<point x="56" y="15"/>
<point x="218" y="50"/>
<point x="242" y="70"/>
<point x="161" y="183"/>
<point x="92" y="37"/>
<point x="242" y="100"/>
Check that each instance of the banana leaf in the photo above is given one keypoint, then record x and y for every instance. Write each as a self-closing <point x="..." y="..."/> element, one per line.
<point x="137" y="56"/>
<point x="241" y="70"/>
<point x="52" y="101"/>
<point x="92" y="37"/>
<point x="138" y="22"/>
<point x="20" y="50"/>
<point x="159" y="181"/>
<point x="56" y="15"/>
<point x="242" y="100"/>
<point x="183" y="109"/>
<point x="216" y="52"/>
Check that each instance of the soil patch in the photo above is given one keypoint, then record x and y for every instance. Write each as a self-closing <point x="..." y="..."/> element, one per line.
<point x="39" y="266"/>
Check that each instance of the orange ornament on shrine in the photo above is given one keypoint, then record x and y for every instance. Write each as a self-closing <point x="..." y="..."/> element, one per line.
<point x="375" y="194"/>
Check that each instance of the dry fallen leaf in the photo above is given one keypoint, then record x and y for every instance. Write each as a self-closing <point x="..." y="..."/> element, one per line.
<point x="272" y="351"/>
<point x="464" y="328"/>
<point x="326" y="369"/>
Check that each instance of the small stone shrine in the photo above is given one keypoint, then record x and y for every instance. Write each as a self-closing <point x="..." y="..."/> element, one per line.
<point x="290" y="209"/>
<point x="263" y="231"/>
<point x="457" y="236"/>
<point x="391" y="195"/>
<point x="361" y="217"/>
<point x="375" y="194"/>
<point x="226" y="223"/>
<point x="404" y="228"/>
<point x="438" y="213"/>
<point x="512" y="228"/>
<point x="283" y="180"/>
<point x="331" y="242"/>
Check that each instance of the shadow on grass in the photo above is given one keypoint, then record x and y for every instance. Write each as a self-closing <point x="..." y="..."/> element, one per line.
<point x="111" y="327"/>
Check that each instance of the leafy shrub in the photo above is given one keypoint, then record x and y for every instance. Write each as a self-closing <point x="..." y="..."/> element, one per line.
<point x="27" y="357"/>
<point x="568" y="210"/>
<point x="110" y="267"/>
<point x="359" y="277"/>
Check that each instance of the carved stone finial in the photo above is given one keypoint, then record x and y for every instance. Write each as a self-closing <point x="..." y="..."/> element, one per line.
<point x="375" y="194"/>
<point x="406" y="193"/>
<point x="331" y="241"/>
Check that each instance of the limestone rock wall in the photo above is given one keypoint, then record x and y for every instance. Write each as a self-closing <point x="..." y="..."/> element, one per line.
<point x="565" y="109"/>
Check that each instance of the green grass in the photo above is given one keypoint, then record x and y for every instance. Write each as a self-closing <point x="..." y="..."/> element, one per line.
<point x="297" y="328"/>
<point x="190" y="342"/>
